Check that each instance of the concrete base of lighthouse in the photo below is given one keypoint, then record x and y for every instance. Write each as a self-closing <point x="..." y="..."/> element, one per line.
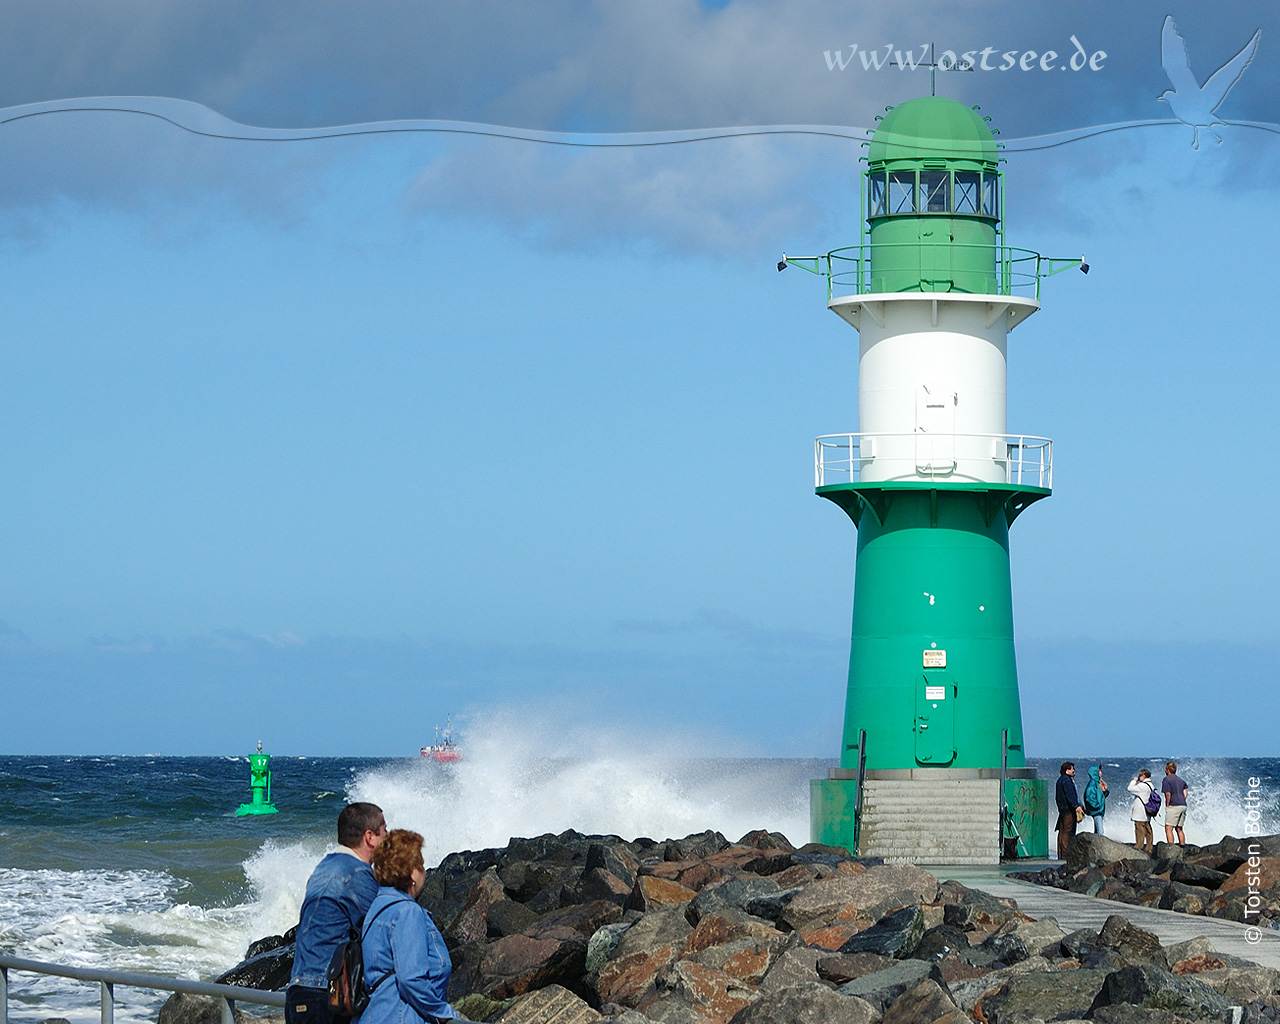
<point x="931" y="815"/>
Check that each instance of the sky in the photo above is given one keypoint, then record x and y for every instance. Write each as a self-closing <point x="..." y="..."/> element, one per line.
<point x="318" y="441"/>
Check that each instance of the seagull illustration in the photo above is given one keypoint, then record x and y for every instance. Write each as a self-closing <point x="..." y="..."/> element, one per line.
<point x="1192" y="103"/>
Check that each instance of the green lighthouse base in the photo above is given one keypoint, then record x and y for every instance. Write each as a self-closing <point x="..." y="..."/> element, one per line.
<point x="932" y="816"/>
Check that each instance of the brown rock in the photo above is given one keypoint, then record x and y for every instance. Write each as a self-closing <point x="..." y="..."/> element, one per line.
<point x="585" y="919"/>
<point x="603" y="884"/>
<point x="471" y="924"/>
<point x="518" y="964"/>
<point x="715" y="995"/>
<point x="747" y="959"/>
<point x="712" y="930"/>
<point x="1196" y="964"/>
<point x="699" y="876"/>
<point x="830" y="937"/>
<point x="629" y="979"/>
<point x="651" y="892"/>
<point x="849" y="867"/>
<point x="924" y="1004"/>
<point x="763" y="840"/>
<point x="1264" y="875"/>
<point x="796" y="876"/>
<point x="551" y="1005"/>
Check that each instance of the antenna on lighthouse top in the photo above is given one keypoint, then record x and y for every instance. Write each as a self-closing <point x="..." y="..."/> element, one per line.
<point x="933" y="66"/>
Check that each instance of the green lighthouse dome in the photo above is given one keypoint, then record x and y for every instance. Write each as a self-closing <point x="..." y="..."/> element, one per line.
<point x="933" y="128"/>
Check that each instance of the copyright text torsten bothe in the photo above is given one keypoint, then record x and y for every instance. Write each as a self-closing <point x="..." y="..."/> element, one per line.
<point x="1253" y="866"/>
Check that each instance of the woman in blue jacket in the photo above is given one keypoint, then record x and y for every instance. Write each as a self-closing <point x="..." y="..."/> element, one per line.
<point x="1095" y="797"/>
<point x="406" y="964"/>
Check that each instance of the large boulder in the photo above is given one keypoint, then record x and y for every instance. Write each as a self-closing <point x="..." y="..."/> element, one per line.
<point x="551" y="1005"/>
<point x="183" y="1008"/>
<point x="738" y="893"/>
<point x="880" y="988"/>
<point x="1150" y="985"/>
<point x="1054" y="995"/>
<point x="927" y="1003"/>
<point x="1134" y="944"/>
<point x="976" y="911"/>
<point x="269" y="969"/>
<point x="895" y="935"/>
<point x="808" y="1003"/>
<point x="1091" y="848"/>
<point x="517" y="964"/>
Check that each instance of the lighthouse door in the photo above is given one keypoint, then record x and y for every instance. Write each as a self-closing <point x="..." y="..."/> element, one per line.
<point x="935" y="718"/>
<point x="935" y="429"/>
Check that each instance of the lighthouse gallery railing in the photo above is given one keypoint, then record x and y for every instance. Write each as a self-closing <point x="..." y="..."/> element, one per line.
<point x="848" y="270"/>
<point x="1019" y="459"/>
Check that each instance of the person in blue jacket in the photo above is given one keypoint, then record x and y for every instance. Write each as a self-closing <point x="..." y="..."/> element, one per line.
<point x="1095" y="797"/>
<point x="339" y="892"/>
<point x="406" y="963"/>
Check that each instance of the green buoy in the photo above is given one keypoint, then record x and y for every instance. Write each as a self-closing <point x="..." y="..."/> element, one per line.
<point x="260" y="783"/>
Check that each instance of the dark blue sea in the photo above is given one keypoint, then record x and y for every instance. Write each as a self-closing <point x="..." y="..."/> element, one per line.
<point x="140" y="864"/>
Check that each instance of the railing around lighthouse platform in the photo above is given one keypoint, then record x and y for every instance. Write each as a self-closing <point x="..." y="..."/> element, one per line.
<point x="1018" y="459"/>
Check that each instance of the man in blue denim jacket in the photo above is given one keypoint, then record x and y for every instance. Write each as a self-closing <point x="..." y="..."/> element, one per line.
<point x="339" y="892"/>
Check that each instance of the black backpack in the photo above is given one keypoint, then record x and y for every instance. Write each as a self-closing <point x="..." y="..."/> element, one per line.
<point x="347" y="995"/>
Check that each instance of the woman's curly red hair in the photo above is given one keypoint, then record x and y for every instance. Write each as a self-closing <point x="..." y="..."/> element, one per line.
<point x="396" y="857"/>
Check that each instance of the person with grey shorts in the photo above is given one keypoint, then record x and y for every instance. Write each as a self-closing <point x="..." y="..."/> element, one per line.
<point x="1175" y="804"/>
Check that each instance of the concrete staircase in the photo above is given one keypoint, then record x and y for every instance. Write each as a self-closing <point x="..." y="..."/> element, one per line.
<point x="953" y="821"/>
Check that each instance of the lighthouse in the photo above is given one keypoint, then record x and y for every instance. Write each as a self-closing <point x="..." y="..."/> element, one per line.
<point x="932" y="763"/>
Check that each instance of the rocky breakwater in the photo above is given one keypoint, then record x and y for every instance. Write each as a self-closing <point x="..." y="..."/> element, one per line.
<point x="577" y="929"/>
<point x="1235" y="879"/>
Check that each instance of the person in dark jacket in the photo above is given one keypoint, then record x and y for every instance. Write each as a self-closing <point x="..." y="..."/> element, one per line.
<point x="1070" y="809"/>
<point x="406" y="963"/>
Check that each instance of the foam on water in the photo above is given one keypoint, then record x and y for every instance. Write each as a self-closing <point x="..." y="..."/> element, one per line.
<point x="517" y="779"/>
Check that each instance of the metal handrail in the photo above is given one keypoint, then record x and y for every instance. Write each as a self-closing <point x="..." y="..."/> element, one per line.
<point x="229" y="994"/>
<point x="1018" y="468"/>
<point x="1015" y="271"/>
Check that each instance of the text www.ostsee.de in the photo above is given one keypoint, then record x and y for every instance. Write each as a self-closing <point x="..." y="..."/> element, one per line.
<point x="970" y="60"/>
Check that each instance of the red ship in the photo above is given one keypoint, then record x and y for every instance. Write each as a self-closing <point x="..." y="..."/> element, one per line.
<point x="444" y="750"/>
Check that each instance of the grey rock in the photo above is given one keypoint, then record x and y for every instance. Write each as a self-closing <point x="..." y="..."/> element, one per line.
<point x="977" y="911"/>
<point x="736" y="893"/>
<point x="895" y="935"/>
<point x="507" y="917"/>
<point x="1052" y="995"/>
<point x="602" y="944"/>
<point x="939" y="941"/>
<point x="614" y="859"/>
<point x="181" y="1008"/>
<point x="808" y="1003"/>
<point x="1123" y="1013"/>
<point x="1149" y="985"/>
<point x="1196" y="874"/>
<point x="880" y="988"/>
<point x="844" y="967"/>
<point x="550" y="1005"/>
<point x="1134" y="944"/>
<point x="1091" y="848"/>
<point x="269" y="970"/>
<point x="625" y="1016"/>
<point x="1199" y="946"/>
<point x="926" y="1003"/>
<point x="770" y="906"/>
<point x="796" y="966"/>
<point x="1019" y="940"/>
<point x="664" y="927"/>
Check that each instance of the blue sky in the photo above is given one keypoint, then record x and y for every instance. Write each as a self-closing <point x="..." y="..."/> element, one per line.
<point x="451" y="424"/>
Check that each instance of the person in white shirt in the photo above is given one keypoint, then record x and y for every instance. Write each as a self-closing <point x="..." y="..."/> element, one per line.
<point x="1141" y="789"/>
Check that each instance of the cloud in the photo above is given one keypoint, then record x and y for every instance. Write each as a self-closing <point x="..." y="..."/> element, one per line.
<point x="590" y="66"/>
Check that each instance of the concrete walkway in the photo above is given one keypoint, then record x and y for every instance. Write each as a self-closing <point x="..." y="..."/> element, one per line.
<point x="1072" y="910"/>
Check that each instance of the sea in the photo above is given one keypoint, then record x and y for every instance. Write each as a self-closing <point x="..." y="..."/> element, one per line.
<point x="140" y="863"/>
